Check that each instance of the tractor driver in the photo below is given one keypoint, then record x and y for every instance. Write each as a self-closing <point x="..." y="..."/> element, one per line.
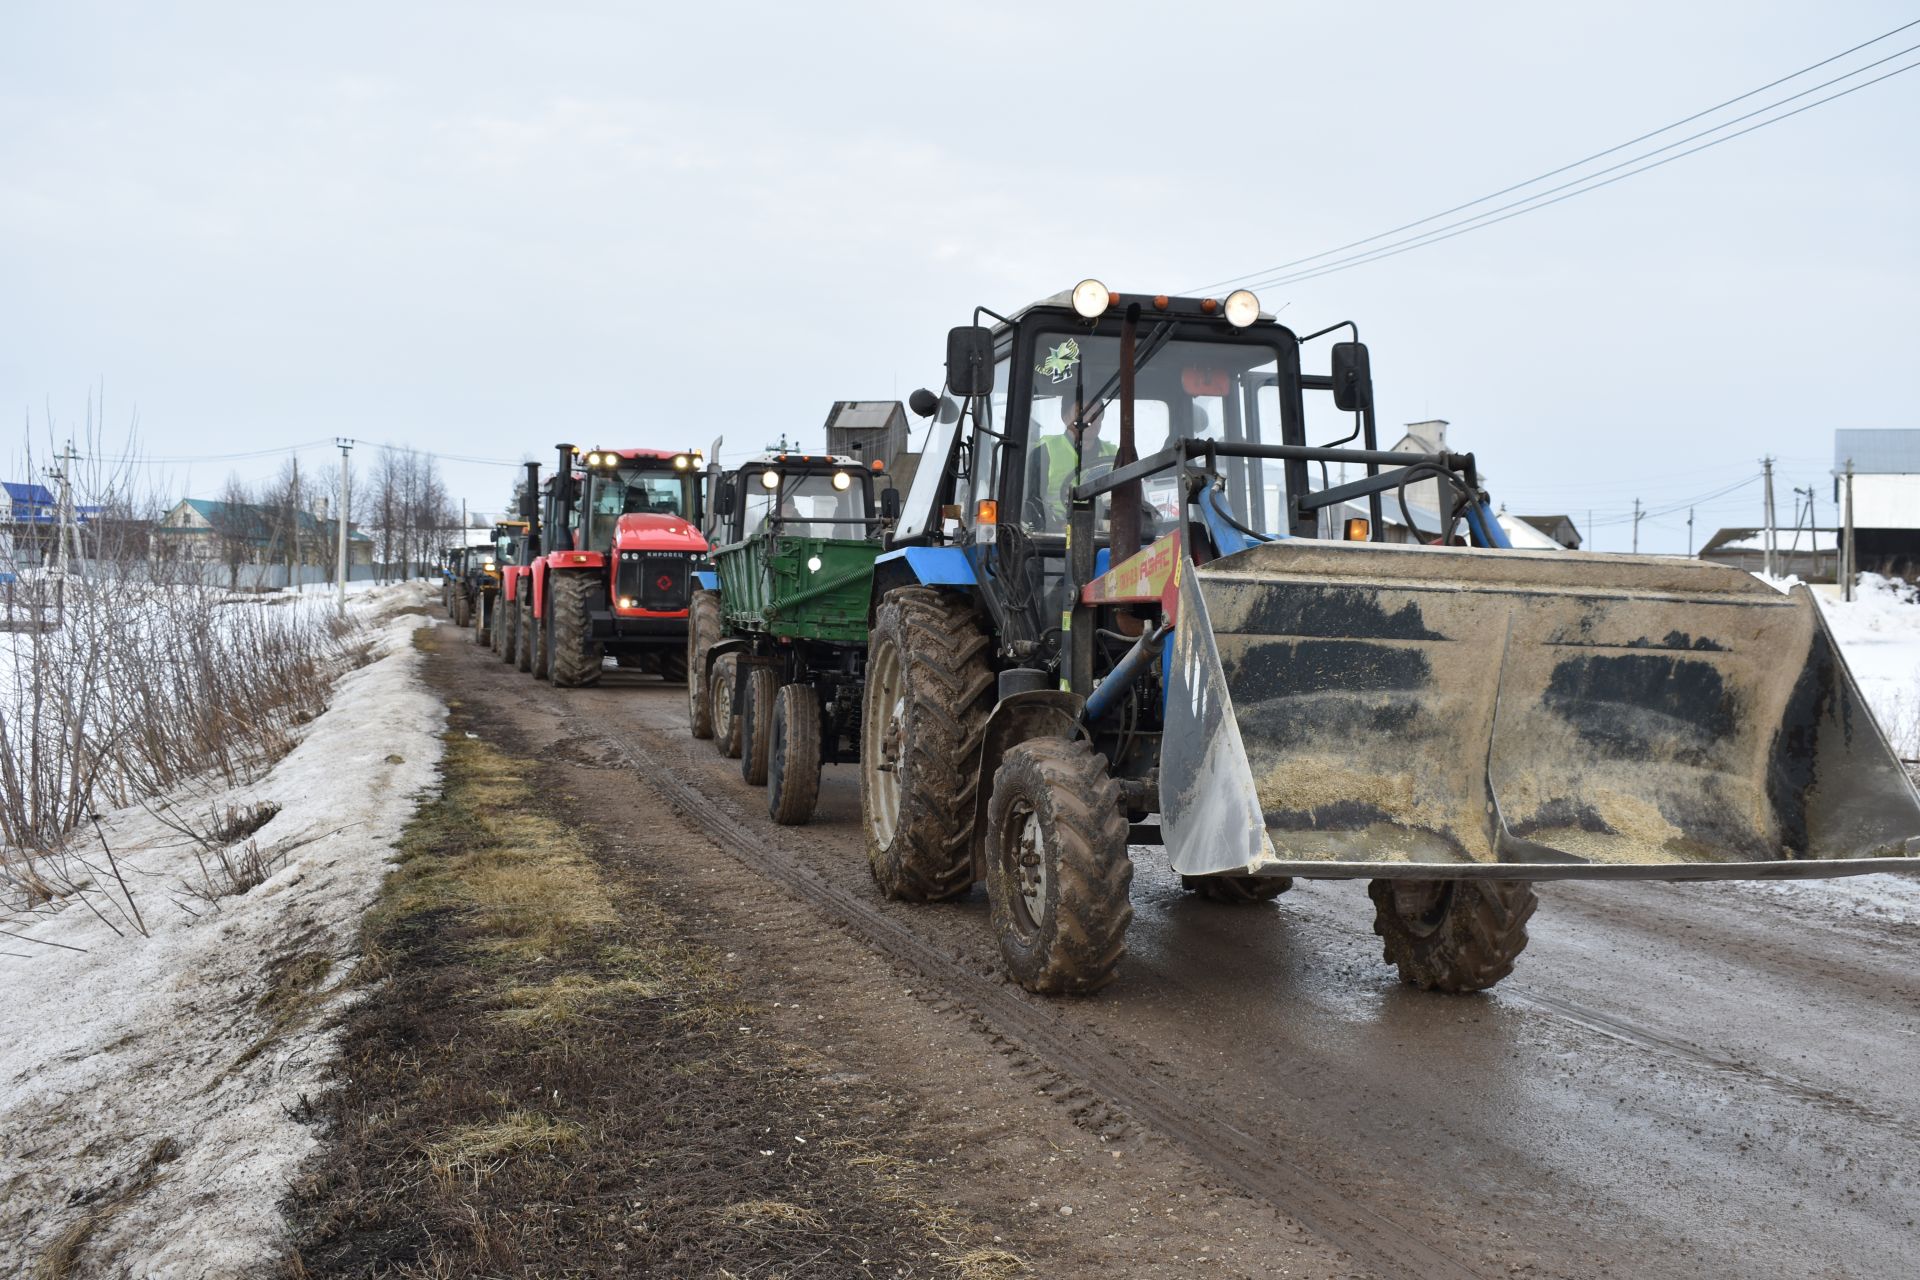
<point x="1056" y="455"/>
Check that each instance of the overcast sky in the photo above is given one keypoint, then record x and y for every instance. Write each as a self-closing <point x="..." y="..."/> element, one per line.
<point x="479" y="229"/>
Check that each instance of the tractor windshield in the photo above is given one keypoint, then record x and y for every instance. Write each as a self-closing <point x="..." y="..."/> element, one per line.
<point x="630" y="492"/>
<point x="1183" y="390"/>
<point x="810" y="504"/>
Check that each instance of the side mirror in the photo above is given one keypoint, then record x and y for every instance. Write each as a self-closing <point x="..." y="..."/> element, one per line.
<point x="970" y="360"/>
<point x="924" y="403"/>
<point x="1352" y="377"/>
<point x="889" y="503"/>
<point x="724" y="503"/>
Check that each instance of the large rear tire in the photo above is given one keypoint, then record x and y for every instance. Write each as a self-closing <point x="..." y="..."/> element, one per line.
<point x="793" y="755"/>
<point x="506" y="632"/>
<point x="482" y="620"/>
<point x="542" y="641"/>
<point x="523" y="653"/>
<point x="929" y="690"/>
<point x="462" y="607"/>
<point x="726" y="725"/>
<point x="575" y="660"/>
<point x="756" y="727"/>
<point x="1237" y="890"/>
<point x="1452" y="935"/>
<point x="1058" y="875"/>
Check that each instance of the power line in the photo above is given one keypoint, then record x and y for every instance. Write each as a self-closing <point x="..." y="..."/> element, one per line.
<point x="1534" y="203"/>
<point x="1277" y="273"/>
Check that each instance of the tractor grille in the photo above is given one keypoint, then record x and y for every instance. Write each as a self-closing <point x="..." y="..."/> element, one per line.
<point x="655" y="580"/>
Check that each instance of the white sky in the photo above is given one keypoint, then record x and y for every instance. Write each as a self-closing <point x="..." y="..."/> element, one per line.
<point x="481" y="228"/>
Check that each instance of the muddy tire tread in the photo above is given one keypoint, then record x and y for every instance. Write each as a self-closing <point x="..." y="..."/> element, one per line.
<point x="756" y="728"/>
<point x="793" y="755"/>
<point x="1084" y="938"/>
<point x="1474" y="947"/>
<point x="726" y="725"/>
<point x="949" y="682"/>
<point x="574" y="662"/>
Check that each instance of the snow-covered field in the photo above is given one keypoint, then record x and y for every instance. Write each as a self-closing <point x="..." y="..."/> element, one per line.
<point x="150" y="1086"/>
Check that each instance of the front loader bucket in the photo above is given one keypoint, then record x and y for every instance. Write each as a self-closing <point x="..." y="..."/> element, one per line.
<point x="1354" y="709"/>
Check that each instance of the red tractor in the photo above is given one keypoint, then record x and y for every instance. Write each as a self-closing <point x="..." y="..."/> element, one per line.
<point x="612" y="570"/>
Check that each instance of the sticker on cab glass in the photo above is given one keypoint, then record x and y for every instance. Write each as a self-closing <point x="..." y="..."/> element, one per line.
<point x="1060" y="361"/>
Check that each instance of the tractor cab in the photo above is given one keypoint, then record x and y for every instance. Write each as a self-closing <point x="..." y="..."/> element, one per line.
<point x="796" y="495"/>
<point x="616" y="485"/>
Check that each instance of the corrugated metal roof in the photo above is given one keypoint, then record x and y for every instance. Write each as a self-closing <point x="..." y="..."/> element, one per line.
<point x="1877" y="450"/>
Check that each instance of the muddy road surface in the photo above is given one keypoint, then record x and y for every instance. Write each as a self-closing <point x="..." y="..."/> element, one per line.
<point x="1678" y="1080"/>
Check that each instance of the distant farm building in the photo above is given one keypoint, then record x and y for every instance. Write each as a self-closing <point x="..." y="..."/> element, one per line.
<point x="1886" y="496"/>
<point x="209" y="532"/>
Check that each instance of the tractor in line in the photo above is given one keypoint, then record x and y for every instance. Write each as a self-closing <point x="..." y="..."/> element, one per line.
<point x="777" y="643"/>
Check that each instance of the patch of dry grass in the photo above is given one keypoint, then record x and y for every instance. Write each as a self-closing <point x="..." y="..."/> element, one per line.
<point x="474" y="1148"/>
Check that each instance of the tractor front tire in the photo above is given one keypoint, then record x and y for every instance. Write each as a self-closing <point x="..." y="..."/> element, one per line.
<point x="756" y="728"/>
<point x="928" y="693"/>
<point x="524" y="624"/>
<point x="1237" y="890"/>
<point x="793" y="755"/>
<point x="703" y="629"/>
<point x="1058" y="874"/>
<point x="542" y="641"/>
<point x="726" y="725"/>
<point x="575" y="661"/>
<point x="483" y="620"/>
<point x="1452" y="935"/>
<point x="462" y="607"/>
<point x="497" y="633"/>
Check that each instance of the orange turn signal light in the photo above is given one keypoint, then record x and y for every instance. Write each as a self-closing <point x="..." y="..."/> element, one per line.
<point x="879" y="464"/>
<point x="1209" y="305"/>
<point x="988" y="512"/>
<point x="1359" y="530"/>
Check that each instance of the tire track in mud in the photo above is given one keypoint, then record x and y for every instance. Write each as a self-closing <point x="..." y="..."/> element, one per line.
<point x="1377" y="1242"/>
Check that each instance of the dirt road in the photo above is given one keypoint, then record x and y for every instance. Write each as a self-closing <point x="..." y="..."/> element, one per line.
<point x="1678" y="1081"/>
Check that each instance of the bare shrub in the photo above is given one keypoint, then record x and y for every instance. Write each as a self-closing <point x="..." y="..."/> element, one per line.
<point x="146" y="680"/>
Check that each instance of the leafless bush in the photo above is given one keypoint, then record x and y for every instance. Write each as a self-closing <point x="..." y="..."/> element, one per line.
<point x="227" y="871"/>
<point x="144" y="684"/>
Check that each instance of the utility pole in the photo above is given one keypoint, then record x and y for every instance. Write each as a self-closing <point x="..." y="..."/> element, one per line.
<point x="1636" y="526"/>
<point x="340" y="570"/>
<point x="1846" y="545"/>
<point x="1766" y="467"/>
<point x="63" y="516"/>
<point x="293" y="528"/>
<point x="1592" y="533"/>
<point x="1689" y="533"/>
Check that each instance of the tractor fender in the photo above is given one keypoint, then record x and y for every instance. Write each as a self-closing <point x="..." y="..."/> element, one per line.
<point x="721" y="648"/>
<point x="1017" y="718"/>
<point x="922" y="566"/>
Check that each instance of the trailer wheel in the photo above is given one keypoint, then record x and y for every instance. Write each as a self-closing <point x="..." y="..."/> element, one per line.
<point x="1237" y="889"/>
<point x="928" y="691"/>
<point x="726" y="725"/>
<point x="756" y="728"/>
<point x="1452" y="935"/>
<point x="1058" y="874"/>
<point x="793" y="755"/>
<point x="575" y="660"/>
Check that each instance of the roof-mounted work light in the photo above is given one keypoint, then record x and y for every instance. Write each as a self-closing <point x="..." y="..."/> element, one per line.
<point x="1242" y="308"/>
<point x="769" y="479"/>
<point x="1091" y="299"/>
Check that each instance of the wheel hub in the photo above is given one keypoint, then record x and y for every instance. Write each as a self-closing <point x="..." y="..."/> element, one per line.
<point x="1030" y="873"/>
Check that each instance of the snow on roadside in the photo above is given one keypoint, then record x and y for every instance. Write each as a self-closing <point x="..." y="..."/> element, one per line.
<point x="143" y="1045"/>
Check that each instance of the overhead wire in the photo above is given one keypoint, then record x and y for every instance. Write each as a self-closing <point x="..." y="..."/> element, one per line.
<point x="1278" y="274"/>
<point x="1534" y="203"/>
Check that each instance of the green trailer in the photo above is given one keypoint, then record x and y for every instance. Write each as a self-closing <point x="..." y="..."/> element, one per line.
<point x="777" y="646"/>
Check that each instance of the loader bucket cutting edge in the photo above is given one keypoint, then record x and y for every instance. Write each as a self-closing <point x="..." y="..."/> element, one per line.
<point x="1356" y="709"/>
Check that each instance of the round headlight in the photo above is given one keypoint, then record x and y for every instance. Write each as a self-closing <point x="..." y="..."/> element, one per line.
<point x="1090" y="298"/>
<point x="1242" y="308"/>
<point x="681" y="462"/>
<point x="841" y="479"/>
<point x="769" y="479"/>
<point x="813" y="564"/>
<point x="488" y="565"/>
